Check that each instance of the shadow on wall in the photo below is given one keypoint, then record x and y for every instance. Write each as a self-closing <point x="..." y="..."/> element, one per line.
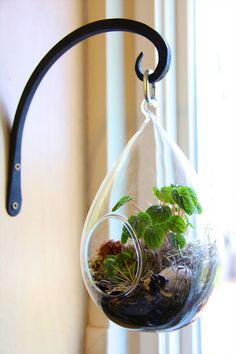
<point x="5" y="129"/>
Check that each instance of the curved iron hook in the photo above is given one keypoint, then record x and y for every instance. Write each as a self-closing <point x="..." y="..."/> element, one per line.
<point x="14" y="198"/>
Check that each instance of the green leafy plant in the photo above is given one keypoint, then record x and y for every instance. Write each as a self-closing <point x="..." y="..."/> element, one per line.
<point x="120" y="267"/>
<point x="168" y="219"/>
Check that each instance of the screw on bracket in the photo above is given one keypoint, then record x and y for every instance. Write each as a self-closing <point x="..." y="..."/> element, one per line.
<point x="15" y="205"/>
<point x="17" y="166"/>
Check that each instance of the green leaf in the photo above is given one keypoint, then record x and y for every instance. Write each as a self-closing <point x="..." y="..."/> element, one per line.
<point x="159" y="214"/>
<point x="121" y="202"/>
<point x="143" y="220"/>
<point x="161" y="229"/>
<point x="177" y="241"/>
<point x="132" y="220"/>
<point x="166" y="194"/>
<point x="163" y="194"/>
<point x="180" y="239"/>
<point x="109" y="263"/>
<point x="176" y="224"/>
<point x="189" y="196"/>
<point x="125" y="235"/>
<point x="122" y="257"/>
<point x="177" y="197"/>
<point x="186" y="198"/>
<point x="153" y="237"/>
<point x="134" y="223"/>
<point x="199" y="208"/>
<point x="138" y="223"/>
<point x="156" y="192"/>
<point x="189" y="199"/>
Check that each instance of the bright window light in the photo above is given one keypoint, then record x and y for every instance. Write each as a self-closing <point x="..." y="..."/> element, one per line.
<point x="216" y="112"/>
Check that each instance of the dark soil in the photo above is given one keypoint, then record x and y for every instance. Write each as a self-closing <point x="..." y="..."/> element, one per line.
<point x="155" y="304"/>
<point x="143" y="309"/>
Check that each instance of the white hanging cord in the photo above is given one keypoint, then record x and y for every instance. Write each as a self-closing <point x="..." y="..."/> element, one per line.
<point x="146" y="109"/>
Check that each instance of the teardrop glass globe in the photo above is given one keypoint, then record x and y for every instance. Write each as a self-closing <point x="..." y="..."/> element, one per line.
<point x="149" y="255"/>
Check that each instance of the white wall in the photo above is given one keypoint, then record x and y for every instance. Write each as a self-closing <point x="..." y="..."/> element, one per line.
<point x="42" y="299"/>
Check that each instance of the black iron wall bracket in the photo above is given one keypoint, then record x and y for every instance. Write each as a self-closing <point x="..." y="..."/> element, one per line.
<point x="14" y="198"/>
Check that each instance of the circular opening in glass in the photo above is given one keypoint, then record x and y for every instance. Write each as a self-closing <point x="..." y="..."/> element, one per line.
<point x="112" y="267"/>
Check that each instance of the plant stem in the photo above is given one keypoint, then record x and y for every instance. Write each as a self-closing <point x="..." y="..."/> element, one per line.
<point x="135" y="206"/>
<point x="129" y="271"/>
<point x="119" y="271"/>
<point x="173" y="209"/>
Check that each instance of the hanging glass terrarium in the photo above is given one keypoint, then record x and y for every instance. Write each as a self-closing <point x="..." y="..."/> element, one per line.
<point x="149" y="256"/>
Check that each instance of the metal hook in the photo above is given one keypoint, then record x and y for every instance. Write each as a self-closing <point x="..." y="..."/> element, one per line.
<point x="149" y="89"/>
<point x="14" y="200"/>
